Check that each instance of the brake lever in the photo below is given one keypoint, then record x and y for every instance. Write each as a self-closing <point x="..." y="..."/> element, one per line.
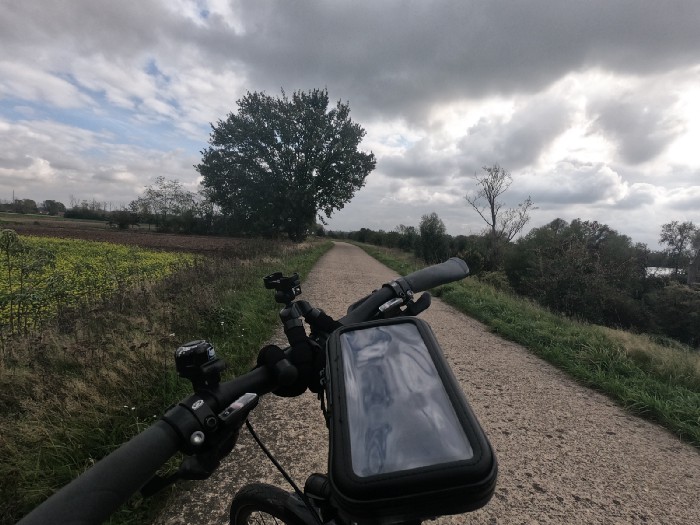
<point x="392" y="307"/>
<point x="197" y="467"/>
<point x="218" y="445"/>
<point x="422" y="304"/>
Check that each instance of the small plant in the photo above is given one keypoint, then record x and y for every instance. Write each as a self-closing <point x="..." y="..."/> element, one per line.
<point x="10" y="246"/>
<point x="498" y="280"/>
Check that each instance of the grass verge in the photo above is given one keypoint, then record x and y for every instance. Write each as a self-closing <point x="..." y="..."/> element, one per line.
<point x="658" y="381"/>
<point x="76" y="390"/>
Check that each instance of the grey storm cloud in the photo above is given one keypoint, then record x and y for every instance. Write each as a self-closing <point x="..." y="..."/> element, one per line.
<point x="396" y="57"/>
<point x="576" y="183"/>
<point x="105" y="176"/>
<point x="639" y="123"/>
<point x="82" y="27"/>
<point x="14" y="161"/>
<point x="513" y="142"/>
<point x="518" y="141"/>
<point x="687" y="202"/>
<point x="403" y="56"/>
<point x="419" y="162"/>
<point x="639" y="195"/>
<point x="99" y="96"/>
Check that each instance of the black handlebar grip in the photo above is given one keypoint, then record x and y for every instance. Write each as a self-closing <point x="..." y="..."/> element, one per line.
<point x="453" y="269"/>
<point x="102" y="489"/>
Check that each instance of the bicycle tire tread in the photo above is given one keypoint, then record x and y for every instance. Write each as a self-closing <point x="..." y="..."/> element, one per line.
<point x="265" y="498"/>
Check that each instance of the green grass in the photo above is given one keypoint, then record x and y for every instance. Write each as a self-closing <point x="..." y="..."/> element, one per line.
<point x="11" y="218"/>
<point x="659" y="382"/>
<point x="246" y="313"/>
<point x="72" y="392"/>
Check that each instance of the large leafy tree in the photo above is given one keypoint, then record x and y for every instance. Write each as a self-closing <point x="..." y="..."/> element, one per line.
<point x="279" y="162"/>
<point x="25" y="206"/>
<point x="168" y="205"/>
<point x="584" y="269"/>
<point x="53" y="207"/>
<point x="163" y="200"/>
<point x="683" y="242"/>
<point x="433" y="245"/>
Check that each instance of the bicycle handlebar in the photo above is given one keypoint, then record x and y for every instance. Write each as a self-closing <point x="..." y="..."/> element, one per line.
<point x="453" y="269"/>
<point x="103" y="488"/>
<point x="98" y="492"/>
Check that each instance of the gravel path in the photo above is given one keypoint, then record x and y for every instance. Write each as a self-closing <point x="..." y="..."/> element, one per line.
<point x="566" y="453"/>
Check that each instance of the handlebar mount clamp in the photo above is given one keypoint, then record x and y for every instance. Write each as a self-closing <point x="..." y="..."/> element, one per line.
<point x="197" y="362"/>
<point x="286" y="288"/>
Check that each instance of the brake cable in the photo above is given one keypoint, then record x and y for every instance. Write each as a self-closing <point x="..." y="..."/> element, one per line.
<point x="284" y="473"/>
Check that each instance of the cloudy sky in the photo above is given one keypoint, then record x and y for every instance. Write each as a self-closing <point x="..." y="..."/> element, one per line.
<point x="594" y="107"/>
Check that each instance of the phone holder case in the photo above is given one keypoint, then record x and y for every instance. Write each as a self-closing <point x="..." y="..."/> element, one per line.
<point x="404" y="443"/>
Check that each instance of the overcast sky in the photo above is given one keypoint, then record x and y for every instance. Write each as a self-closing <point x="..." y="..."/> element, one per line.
<point x="593" y="106"/>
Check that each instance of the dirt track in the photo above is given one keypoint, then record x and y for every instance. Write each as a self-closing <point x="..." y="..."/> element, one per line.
<point x="566" y="454"/>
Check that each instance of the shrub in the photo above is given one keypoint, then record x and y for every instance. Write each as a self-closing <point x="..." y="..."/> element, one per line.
<point x="676" y="310"/>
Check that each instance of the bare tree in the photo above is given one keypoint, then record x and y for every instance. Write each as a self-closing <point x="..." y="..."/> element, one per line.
<point x="503" y="224"/>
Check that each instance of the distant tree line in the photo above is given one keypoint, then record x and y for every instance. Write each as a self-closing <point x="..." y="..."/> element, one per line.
<point x="428" y="241"/>
<point x="29" y="206"/>
<point x="583" y="269"/>
<point x="275" y="167"/>
<point x="165" y="206"/>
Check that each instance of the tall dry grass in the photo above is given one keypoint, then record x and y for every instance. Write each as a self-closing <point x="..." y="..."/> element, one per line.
<point x="82" y="385"/>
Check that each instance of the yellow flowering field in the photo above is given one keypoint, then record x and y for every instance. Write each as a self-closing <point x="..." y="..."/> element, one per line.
<point x="41" y="275"/>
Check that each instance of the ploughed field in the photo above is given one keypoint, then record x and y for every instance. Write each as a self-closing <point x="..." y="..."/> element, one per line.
<point x="142" y="237"/>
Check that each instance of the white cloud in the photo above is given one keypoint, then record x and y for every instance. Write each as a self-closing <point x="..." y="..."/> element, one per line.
<point x="593" y="106"/>
<point x="47" y="160"/>
<point x="23" y="82"/>
<point x="685" y="201"/>
<point x="423" y="195"/>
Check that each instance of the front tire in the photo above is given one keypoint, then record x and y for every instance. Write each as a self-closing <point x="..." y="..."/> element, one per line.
<point x="262" y="504"/>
